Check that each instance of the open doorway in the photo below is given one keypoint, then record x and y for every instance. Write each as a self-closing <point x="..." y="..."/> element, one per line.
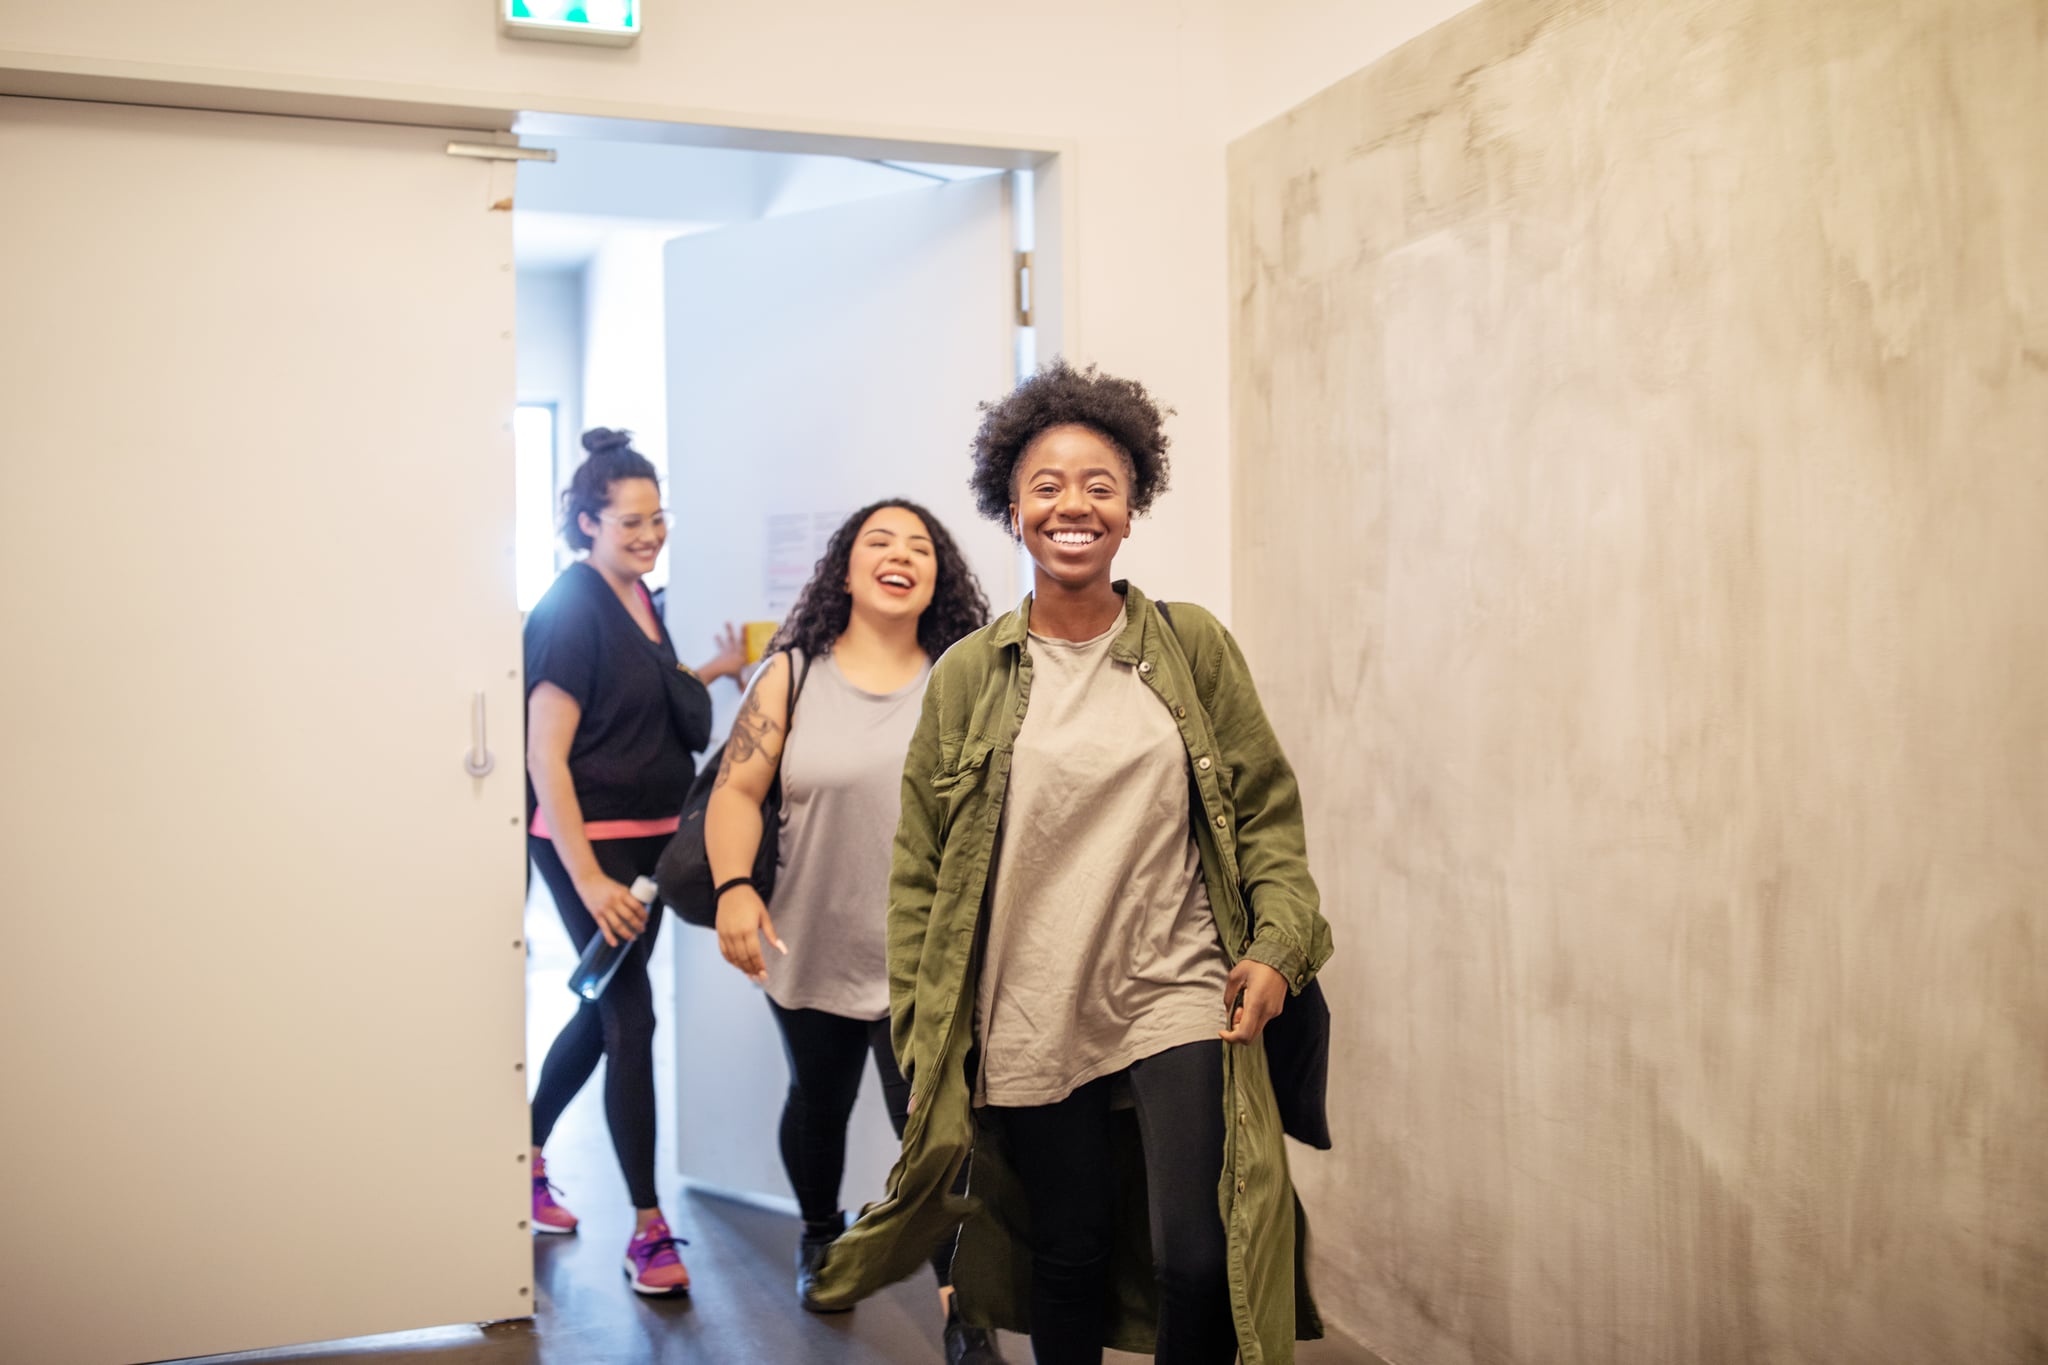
<point x="790" y="334"/>
<point x="590" y="232"/>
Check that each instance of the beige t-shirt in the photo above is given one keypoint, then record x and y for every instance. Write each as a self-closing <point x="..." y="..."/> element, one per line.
<point x="1102" y="949"/>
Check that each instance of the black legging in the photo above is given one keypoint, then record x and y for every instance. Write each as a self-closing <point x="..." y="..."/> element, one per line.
<point x="617" y="1027"/>
<point x="828" y="1054"/>
<point x="1061" y="1153"/>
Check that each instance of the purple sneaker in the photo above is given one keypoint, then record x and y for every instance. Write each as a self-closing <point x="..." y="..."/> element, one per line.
<point x="548" y="1216"/>
<point x="652" y="1264"/>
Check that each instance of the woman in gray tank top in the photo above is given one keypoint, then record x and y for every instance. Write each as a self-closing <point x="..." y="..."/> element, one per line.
<point x="891" y="593"/>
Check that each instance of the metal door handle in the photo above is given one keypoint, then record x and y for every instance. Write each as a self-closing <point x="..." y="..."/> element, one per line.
<point x="478" y="761"/>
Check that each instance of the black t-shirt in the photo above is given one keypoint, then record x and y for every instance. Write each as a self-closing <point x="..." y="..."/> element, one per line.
<point x="643" y="717"/>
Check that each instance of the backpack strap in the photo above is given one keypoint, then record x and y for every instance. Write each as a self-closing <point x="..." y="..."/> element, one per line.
<point x="800" y="670"/>
<point x="1166" y="615"/>
<point x="802" y="665"/>
<point x="795" y="688"/>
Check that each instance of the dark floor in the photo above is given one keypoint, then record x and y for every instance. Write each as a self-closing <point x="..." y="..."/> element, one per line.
<point x="741" y="1306"/>
<point x="741" y="1309"/>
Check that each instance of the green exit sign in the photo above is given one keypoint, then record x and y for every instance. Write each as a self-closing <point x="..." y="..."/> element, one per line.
<point x="578" y="21"/>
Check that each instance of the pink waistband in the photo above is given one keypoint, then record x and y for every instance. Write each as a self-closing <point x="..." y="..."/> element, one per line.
<point x="611" y="829"/>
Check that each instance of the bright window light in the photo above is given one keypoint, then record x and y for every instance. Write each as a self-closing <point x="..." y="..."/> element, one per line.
<point x="533" y="454"/>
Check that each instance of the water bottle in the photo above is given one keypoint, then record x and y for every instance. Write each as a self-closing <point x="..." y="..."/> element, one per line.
<point x="600" y="959"/>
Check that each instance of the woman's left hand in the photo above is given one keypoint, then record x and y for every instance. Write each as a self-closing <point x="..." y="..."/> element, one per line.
<point x="1254" y="994"/>
<point x="731" y="659"/>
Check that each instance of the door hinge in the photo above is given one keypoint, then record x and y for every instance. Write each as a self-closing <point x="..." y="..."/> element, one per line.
<point x="491" y="151"/>
<point x="1024" y="286"/>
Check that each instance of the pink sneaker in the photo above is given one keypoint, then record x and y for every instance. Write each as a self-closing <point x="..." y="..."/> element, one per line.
<point x="548" y="1216"/>
<point x="652" y="1263"/>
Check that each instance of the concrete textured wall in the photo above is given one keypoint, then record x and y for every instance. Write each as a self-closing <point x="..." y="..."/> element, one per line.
<point x="1640" y="428"/>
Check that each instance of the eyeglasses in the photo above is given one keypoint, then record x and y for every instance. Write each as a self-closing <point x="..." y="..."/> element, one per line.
<point x="633" y="525"/>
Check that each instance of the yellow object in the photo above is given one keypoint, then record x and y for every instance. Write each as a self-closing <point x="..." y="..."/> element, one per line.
<point x="759" y="633"/>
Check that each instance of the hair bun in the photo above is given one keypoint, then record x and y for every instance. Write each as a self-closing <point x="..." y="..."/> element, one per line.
<point x="599" y="440"/>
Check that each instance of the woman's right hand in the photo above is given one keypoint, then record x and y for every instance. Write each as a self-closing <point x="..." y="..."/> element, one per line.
<point x="742" y="923"/>
<point x="619" y="916"/>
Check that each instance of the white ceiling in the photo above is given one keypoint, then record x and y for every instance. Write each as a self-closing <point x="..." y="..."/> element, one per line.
<point x="544" y="240"/>
<point x="565" y="209"/>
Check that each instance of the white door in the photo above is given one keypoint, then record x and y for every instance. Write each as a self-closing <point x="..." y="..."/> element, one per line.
<point x="816" y="363"/>
<point x="261" y="1022"/>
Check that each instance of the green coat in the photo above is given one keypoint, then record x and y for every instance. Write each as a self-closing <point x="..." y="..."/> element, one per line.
<point x="1255" y="862"/>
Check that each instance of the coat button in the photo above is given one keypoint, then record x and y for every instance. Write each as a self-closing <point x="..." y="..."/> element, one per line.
<point x="1221" y="822"/>
<point x="1243" y="1117"/>
<point x="1180" y="712"/>
<point x="1144" y="665"/>
<point x="1204" y="765"/>
<point x="1240" y="1184"/>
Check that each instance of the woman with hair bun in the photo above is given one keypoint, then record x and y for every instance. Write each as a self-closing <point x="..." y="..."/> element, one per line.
<point x="891" y="593"/>
<point x="612" y="723"/>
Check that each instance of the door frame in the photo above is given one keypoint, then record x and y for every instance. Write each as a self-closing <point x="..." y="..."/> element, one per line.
<point x="1055" y="254"/>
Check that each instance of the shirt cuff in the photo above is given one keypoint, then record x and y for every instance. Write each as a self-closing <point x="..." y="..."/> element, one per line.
<point x="1284" y="958"/>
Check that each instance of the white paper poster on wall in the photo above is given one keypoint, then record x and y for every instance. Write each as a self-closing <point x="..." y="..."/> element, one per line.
<point x="796" y="542"/>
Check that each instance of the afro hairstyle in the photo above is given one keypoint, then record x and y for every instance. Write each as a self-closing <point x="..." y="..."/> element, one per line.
<point x="1118" y="410"/>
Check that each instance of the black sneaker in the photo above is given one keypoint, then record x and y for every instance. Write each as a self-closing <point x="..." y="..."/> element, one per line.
<point x="810" y="1258"/>
<point x="970" y="1345"/>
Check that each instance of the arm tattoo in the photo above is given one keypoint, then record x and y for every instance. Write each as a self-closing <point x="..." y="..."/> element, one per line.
<point x="751" y="731"/>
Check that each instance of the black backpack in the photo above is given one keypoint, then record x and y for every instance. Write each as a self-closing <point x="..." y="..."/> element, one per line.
<point x="684" y="871"/>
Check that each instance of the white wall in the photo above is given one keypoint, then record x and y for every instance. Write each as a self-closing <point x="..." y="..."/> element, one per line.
<point x="1146" y="190"/>
<point x="1281" y="52"/>
<point x="1143" y="92"/>
<point x="624" y="349"/>
<point x="550" y="370"/>
<point x="551" y="351"/>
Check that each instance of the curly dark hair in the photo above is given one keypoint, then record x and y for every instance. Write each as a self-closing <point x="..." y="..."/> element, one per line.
<point x="612" y="458"/>
<point x="825" y="606"/>
<point x="1118" y="410"/>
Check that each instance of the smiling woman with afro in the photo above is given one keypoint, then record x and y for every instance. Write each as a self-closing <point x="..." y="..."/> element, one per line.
<point x="1099" y="898"/>
<point x="1118" y="410"/>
